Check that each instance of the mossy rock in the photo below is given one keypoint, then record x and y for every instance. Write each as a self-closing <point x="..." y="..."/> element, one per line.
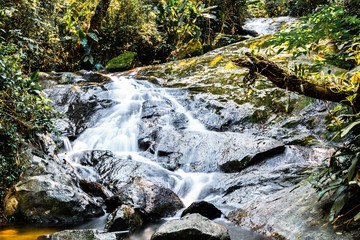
<point x="124" y="61"/>
<point x="191" y="49"/>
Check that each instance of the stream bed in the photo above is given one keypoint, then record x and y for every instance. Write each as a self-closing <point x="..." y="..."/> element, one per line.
<point x="154" y="140"/>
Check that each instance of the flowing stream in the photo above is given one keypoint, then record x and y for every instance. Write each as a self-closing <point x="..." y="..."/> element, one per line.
<point x="118" y="131"/>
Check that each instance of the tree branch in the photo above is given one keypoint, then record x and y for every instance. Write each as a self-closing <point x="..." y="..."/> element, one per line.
<point x="286" y="80"/>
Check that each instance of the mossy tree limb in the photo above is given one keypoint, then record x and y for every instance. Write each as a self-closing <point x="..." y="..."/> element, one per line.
<point x="282" y="78"/>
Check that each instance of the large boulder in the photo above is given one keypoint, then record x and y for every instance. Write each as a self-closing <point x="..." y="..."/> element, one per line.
<point x="48" y="193"/>
<point x="268" y="177"/>
<point x="153" y="201"/>
<point x="207" y="151"/>
<point x="118" y="171"/>
<point x="124" y="61"/>
<point x="191" y="227"/>
<point x="293" y="213"/>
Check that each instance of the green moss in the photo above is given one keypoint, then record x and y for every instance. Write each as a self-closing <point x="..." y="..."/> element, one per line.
<point x="124" y="61"/>
<point x="192" y="49"/>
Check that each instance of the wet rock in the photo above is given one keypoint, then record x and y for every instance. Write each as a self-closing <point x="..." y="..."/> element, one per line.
<point x="255" y="149"/>
<point x="207" y="151"/>
<point x="293" y="213"/>
<point x="47" y="193"/>
<point x="265" y="178"/>
<point x="124" y="218"/>
<point x="204" y="208"/>
<point x="80" y="104"/>
<point x="156" y="108"/>
<point x="153" y="201"/>
<point x="88" y="234"/>
<point x="191" y="227"/>
<point x="91" y="157"/>
<point x="113" y="202"/>
<point x="119" y="171"/>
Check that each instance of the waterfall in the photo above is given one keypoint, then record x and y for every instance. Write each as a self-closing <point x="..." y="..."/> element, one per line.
<point x="118" y="132"/>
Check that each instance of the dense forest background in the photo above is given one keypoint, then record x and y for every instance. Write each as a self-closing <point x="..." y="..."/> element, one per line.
<point x="54" y="35"/>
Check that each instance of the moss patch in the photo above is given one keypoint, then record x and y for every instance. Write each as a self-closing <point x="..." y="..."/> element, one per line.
<point x="124" y="61"/>
<point x="192" y="49"/>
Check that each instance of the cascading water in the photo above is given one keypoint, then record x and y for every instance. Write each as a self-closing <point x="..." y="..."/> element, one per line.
<point x="118" y="130"/>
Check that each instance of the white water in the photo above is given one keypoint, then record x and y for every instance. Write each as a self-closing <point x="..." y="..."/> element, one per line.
<point x="266" y="26"/>
<point x="118" y="131"/>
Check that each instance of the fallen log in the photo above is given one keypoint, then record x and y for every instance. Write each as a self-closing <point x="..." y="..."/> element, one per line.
<point x="282" y="78"/>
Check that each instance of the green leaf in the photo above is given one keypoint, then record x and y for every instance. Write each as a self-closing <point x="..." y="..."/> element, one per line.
<point x="346" y="130"/>
<point x="357" y="216"/>
<point x="280" y="50"/>
<point x="337" y="206"/>
<point x="323" y="192"/>
<point x="93" y="36"/>
<point x="352" y="168"/>
<point x="34" y="75"/>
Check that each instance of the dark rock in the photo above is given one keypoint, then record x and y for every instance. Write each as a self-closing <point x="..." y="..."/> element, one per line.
<point x="83" y="234"/>
<point x="113" y="202"/>
<point x="204" y="208"/>
<point x="191" y="227"/>
<point x="124" y="218"/>
<point x="95" y="189"/>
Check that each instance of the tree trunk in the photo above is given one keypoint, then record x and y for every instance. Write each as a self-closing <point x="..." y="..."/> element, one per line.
<point x="100" y="13"/>
<point x="286" y="80"/>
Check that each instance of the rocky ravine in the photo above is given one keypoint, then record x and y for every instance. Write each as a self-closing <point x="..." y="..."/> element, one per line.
<point x="256" y="156"/>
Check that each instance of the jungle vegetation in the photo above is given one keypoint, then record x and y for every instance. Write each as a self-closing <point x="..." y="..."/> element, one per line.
<point x="68" y="35"/>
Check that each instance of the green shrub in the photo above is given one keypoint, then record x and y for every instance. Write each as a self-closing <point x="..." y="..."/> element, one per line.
<point x="24" y="113"/>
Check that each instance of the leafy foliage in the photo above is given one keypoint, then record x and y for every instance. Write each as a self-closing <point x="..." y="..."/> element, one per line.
<point x="332" y="36"/>
<point x="330" y="33"/>
<point x="24" y="113"/>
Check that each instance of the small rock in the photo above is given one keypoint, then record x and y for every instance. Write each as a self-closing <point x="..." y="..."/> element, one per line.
<point x="124" y="218"/>
<point x="204" y="208"/>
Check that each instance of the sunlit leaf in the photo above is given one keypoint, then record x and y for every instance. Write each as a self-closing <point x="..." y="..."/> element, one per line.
<point x="346" y="130"/>
<point x="357" y="216"/>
